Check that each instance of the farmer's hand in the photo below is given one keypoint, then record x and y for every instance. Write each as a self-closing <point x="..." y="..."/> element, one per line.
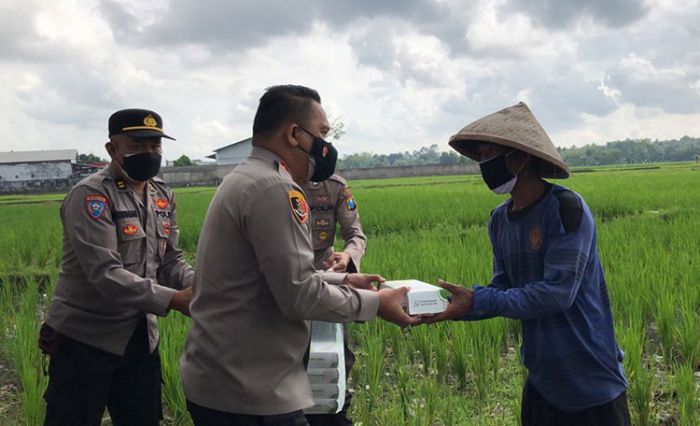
<point x="459" y="306"/>
<point x="363" y="281"/>
<point x="391" y="306"/>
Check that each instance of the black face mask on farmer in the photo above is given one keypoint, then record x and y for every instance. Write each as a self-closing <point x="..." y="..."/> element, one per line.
<point x="141" y="167"/>
<point x="496" y="174"/>
<point x="323" y="156"/>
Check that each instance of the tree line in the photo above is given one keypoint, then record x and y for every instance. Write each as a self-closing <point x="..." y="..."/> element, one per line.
<point x="627" y="151"/>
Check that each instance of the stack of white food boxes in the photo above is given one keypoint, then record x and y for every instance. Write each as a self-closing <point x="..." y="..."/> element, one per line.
<point x="422" y="298"/>
<point x="326" y="369"/>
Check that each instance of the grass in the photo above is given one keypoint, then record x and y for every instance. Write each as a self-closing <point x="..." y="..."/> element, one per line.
<point x="430" y="228"/>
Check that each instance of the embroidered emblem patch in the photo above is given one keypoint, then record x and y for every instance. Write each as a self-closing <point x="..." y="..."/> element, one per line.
<point x="95" y="205"/>
<point x="130" y="229"/>
<point x="300" y="209"/>
<point x="322" y="222"/>
<point x="162" y="203"/>
<point x="166" y="228"/>
<point x="323" y="235"/>
<point x="349" y="200"/>
<point x="536" y="238"/>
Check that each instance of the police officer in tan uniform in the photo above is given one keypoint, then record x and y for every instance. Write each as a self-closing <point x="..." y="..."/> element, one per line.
<point x="332" y="203"/>
<point x="256" y="286"/>
<point x="121" y="267"/>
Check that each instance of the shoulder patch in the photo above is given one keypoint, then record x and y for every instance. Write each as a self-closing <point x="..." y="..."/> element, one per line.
<point x="349" y="199"/>
<point x="570" y="210"/>
<point x="96" y="205"/>
<point x="300" y="209"/>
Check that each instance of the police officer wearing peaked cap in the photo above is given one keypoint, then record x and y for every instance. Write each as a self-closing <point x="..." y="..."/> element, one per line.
<point x="121" y="267"/>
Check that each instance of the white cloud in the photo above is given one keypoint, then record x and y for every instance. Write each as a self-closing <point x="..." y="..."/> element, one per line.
<point x="399" y="75"/>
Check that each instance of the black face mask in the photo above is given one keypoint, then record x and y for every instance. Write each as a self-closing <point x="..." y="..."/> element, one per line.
<point x="141" y="167"/>
<point x="323" y="156"/>
<point x="496" y="174"/>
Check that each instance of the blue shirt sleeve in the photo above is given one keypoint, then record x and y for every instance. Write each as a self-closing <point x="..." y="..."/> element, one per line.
<point x="565" y="261"/>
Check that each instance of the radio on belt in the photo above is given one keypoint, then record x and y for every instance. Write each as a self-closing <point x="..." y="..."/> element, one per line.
<point x="422" y="298"/>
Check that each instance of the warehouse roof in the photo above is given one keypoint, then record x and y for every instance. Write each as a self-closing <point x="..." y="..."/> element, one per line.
<point x="13" y="157"/>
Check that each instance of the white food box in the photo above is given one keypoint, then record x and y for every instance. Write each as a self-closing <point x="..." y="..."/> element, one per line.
<point x="326" y="368"/>
<point x="422" y="298"/>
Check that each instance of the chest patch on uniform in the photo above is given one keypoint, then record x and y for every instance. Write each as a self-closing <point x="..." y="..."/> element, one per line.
<point x="322" y="222"/>
<point x="166" y="228"/>
<point x="130" y="229"/>
<point x="535" y="238"/>
<point x="95" y="205"/>
<point x="323" y="235"/>
<point x="349" y="199"/>
<point x="162" y="203"/>
<point x="300" y="209"/>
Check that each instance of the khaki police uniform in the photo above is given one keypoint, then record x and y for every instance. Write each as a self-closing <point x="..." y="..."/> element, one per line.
<point x="254" y="292"/>
<point x="331" y="202"/>
<point x="120" y="261"/>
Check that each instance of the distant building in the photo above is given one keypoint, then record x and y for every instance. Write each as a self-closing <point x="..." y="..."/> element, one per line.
<point x="32" y="170"/>
<point x="234" y="153"/>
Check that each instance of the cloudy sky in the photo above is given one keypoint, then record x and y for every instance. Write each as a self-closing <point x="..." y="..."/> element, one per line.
<point x="399" y="74"/>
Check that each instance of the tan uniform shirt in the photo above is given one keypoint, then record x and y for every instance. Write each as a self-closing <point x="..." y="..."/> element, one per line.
<point x="120" y="261"/>
<point x="331" y="202"/>
<point x="255" y="288"/>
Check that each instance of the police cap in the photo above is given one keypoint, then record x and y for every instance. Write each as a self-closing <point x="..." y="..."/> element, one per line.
<point x="139" y="123"/>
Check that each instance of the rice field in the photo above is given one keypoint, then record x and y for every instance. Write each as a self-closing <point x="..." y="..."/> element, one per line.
<point x="428" y="228"/>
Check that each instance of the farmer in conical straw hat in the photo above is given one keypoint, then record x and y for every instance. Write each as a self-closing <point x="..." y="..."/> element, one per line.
<point x="546" y="273"/>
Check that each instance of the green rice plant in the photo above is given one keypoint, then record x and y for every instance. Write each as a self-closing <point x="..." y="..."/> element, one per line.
<point x="485" y="344"/>
<point x="640" y="377"/>
<point x="20" y="340"/>
<point x="173" y="332"/>
<point x="460" y="356"/>
<point x="374" y="366"/>
<point x="665" y="322"/>
<point x="423" y="340"/>
<point x="441" y="351"/>
<point x="687" y="391"/>
<point x="688" y="330"/>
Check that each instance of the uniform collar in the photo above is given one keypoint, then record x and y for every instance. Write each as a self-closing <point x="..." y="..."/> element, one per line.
<point x="265" y="154"/>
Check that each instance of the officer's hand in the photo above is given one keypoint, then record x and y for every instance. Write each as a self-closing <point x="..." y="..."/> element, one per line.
<point x="391" y="306"/>
<point x="459" y="306"/>
<point x="181" y="301"/>
<point x="363" y="281"/>
<point x="339" y="261"/>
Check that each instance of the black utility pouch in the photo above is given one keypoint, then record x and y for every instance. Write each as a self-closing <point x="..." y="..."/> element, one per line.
<point x="49" y="340"/>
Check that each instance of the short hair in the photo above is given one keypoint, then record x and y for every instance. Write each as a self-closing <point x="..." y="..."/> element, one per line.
<point x="282" y="104"/>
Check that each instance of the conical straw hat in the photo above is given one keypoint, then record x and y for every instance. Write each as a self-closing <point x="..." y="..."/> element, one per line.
<point x="515" y="127"/>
